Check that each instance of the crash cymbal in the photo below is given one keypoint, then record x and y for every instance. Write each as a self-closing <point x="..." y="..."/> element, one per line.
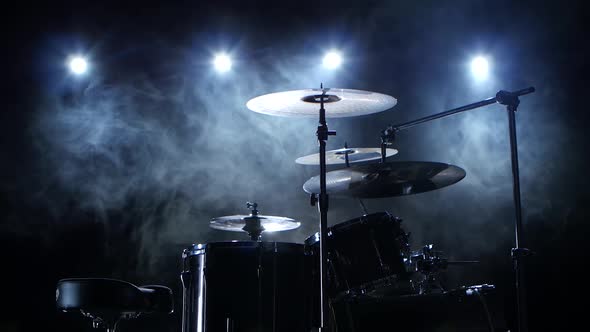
<point x="338" y="157"/>
<point x="387" y="179"/>
<point x="236" y="223"/>
<point x="306" y="103"/>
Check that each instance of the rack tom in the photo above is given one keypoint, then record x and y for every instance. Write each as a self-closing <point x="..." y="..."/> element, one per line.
<point x="366" y="255"/>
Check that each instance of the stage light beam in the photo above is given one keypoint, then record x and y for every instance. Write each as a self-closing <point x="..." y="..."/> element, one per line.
<point x="222" y="63"/>
<point x="480" y="68"/>
<point x="78" y="65"/>
<point x="332" y="60"/>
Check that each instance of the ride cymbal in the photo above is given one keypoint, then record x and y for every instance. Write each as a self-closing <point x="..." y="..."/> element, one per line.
<point x="306" y="103"/>
<point x="387" y="179"/>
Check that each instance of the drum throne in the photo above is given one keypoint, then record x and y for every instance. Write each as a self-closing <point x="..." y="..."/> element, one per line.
<point x="108" y="301"/>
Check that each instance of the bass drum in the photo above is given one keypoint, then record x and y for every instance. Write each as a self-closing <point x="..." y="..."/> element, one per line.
<point x="245" y="286"/>
<point x="366" y="256"/>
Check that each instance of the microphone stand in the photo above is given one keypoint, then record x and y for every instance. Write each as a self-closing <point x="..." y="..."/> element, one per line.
<point x="510" y="99"/>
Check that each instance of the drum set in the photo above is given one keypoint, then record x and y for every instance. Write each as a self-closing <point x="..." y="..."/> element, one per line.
<point x="255" y="285"/>
<point x="357" y="275"/>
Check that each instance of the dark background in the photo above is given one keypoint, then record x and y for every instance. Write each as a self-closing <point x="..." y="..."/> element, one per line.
<point x="113" y="174"/>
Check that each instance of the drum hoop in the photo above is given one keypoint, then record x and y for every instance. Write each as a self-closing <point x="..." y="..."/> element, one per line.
<point x="201" y="248"/>
<point x="367" y="288"/>
<point x="349" y="223"/>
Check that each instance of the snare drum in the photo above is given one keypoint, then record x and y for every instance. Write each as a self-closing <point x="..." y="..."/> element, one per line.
<point x="366" y="255"/>
<point x="245" y="286"/>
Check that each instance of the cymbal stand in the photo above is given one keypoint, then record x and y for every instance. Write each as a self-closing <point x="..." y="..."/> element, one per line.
<point x="322" y="135"/>
<point x="510" y="99"/>
<point x="346" y="152"/>
<point x="365" y="211"/>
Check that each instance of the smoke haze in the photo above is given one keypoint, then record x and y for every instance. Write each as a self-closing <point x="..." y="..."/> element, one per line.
<point x="137" y="157"/>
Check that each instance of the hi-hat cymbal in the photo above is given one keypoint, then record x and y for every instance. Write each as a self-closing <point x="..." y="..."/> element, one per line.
<point x="236" y="223"/>
<point x="387" y="179"/>
<point x="338" y="157"/>
<point x="306" y="103"/>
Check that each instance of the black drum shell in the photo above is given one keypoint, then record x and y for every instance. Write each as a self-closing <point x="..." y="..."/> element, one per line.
<point x="244" y="286"/>
<point x="365" y="255"/>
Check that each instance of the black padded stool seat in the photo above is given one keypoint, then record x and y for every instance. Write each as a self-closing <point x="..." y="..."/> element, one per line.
<point x="108" y="300"/>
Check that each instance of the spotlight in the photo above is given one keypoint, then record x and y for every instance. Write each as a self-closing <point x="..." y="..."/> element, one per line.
<point x="480" y="68"/>
<point x="78" y="65"/>
<point x="222" y="62"/>
<point x="332" y="60"/>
